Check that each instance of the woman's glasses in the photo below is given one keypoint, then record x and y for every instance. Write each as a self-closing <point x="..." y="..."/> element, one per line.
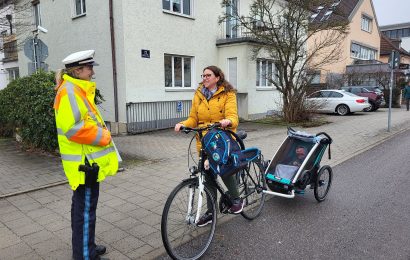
<point x="206" y="76"/>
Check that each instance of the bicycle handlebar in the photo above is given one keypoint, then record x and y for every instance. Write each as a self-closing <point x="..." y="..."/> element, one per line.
<point x="198" y="129"/>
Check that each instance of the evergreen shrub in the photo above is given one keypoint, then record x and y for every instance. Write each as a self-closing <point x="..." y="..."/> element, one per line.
<point x="26" y="106"/>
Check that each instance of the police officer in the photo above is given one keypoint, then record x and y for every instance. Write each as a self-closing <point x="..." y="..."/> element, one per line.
<point x="87" y="151"/>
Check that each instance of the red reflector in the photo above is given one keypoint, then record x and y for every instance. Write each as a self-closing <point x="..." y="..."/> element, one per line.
<point x="360" y="100"/>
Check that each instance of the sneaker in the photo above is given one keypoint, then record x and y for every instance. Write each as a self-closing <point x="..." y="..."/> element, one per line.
<point x="237" y="206"/>
<point x="205" y="220"/>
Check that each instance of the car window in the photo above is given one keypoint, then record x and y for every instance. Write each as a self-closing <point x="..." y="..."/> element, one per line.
<point x="317" y="94"/>
<point x="335" y="94"/>
<point x="366" y="90"/>
<point x="350" y="94"/>
<point x="355" y="90"/>
<point x="326" y="93"/>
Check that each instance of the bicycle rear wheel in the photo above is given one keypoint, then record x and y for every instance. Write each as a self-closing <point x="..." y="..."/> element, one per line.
<point x="181" y="237"/>
<point x="251" y="185"/>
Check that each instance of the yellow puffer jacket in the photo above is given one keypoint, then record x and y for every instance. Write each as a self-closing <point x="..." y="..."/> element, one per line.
<point x="222" y="105"/>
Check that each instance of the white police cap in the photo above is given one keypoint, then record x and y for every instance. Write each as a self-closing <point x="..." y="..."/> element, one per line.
<point x="81" y="58"/>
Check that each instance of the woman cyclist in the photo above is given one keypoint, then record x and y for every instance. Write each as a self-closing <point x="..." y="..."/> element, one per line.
<point x="215" y="101"/>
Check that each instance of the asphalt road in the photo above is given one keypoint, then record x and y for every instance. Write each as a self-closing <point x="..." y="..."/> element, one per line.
<point x="365" y="216"/>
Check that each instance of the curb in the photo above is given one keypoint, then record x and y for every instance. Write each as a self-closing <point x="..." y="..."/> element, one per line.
<point x="34" y="189"/>
<point x="368" y="147"/>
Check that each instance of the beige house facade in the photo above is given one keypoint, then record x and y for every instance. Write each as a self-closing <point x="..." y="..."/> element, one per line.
<point x="362" y="41"/>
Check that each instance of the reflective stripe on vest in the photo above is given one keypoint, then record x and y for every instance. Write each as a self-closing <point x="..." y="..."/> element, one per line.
<point x="98" y="137"/>
<point x="60" y="131"/>
<point x="71" y="157"/>
<point x="91" y="112"/>
<point x="77" y="127"/>
<point x="101" y="153"/>
<point x="73" y="102"/>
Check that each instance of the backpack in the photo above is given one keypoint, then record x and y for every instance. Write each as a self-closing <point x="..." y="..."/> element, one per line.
<point x="224" y="153"/>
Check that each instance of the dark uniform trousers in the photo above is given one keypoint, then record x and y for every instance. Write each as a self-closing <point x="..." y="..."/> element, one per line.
<point x="83" y="216"/>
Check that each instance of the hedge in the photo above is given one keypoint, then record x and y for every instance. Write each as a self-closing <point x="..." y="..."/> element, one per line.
<point x="26" y="107"/>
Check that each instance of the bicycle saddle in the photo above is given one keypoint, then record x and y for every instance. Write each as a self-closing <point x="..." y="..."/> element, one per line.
<point x="242" y="134"/>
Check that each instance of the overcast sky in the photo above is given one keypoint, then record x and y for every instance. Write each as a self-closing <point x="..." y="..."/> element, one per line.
<point x="392" y="11"/>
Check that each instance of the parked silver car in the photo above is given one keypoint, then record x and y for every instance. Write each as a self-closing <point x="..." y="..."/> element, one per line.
<point x="337" y="101"/>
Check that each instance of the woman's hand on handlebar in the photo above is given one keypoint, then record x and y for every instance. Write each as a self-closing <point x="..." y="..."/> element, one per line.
<point x="225" y="123"/>
<point x="178" y="127"/>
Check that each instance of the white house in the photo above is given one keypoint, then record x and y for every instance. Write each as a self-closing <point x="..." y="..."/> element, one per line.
<point x="152" y="53"/>
<point x="9" y="69"/>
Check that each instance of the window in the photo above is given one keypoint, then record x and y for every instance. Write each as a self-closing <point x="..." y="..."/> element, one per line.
<point x="178" y="6"/>
<point x="366" y="23"/>
<point x="13" y="73"/>
<point x="362" y="53"/>
<point x="232" y="23"/>
<point x="314" y="77"/>
<point x="79" y="7"/>
<point x="36" y="13"/>
<point x="336" y="3"/>
<point x="393" y="34"/>
<point x="233" y="71"/>
<point x="265" y="73"/>
<point x="326" y="15"/>
<point x="178" y="71"/>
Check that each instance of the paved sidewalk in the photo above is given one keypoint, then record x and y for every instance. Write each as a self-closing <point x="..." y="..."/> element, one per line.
<point x="36" y="225"/>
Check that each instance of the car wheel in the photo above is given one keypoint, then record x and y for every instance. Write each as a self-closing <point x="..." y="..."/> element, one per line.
<point x="369" y="109"/>
<point x="342" y="110"/>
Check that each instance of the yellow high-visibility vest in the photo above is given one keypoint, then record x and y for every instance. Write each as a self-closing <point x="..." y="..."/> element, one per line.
<point x="82" y="132"/>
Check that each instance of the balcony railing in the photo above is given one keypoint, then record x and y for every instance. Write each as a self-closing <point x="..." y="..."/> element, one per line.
<point x="10" y="48"/>
<point x="233" y="32"/>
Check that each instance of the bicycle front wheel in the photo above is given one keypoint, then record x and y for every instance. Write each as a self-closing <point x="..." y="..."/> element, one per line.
<point x="251" y="185"/>
<point x="181" y="236"/>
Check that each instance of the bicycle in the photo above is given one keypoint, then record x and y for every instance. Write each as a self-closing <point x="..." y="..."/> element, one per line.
<point x="181" y="236"/>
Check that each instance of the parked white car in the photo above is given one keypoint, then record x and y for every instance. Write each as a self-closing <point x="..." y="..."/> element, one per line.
<point x="337" y="101"/>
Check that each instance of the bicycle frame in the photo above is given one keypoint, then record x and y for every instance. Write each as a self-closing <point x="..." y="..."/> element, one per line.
<point x="180" y="231"/>
<point x="201" y="180"/>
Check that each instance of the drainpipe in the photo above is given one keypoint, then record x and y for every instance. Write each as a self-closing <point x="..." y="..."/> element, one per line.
<point x="114" y="63"/>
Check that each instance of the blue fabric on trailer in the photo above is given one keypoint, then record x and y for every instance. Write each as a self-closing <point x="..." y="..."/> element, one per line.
<point x="303" y="136"/>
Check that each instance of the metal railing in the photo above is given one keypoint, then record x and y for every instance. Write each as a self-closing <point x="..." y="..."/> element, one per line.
<point x="148" y="116"/>
<point x="232" y="30"/>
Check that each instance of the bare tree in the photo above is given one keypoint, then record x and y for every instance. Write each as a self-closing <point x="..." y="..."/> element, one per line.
<point x="282" y="30"/>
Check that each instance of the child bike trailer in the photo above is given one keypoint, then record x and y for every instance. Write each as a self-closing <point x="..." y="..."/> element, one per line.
<point x="296" y="166"/>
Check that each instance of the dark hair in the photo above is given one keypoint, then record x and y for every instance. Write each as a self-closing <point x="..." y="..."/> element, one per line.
<point x="222" y="81"/>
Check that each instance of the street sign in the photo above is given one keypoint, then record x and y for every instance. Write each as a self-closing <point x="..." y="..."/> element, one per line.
<point x="394" y="60"/>
<point x="145" y="53"/>
<point x="41" y="49"/>
<point x="404" y="66"/>
<point x="179" y="106"/>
